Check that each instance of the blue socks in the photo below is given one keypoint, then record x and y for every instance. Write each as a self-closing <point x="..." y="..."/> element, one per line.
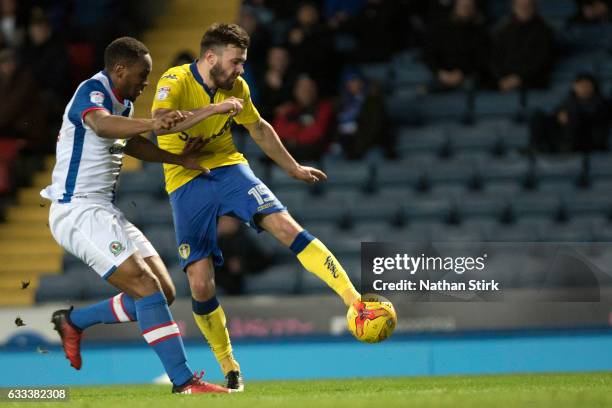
<point x="162" y="333"/>
<point x="118" y="309"/>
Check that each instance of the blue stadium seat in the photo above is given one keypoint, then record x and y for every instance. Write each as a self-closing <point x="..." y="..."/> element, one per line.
<point x="157" y="213"/>
<point x="439" y="107"/>
<point x="379" y="72"/>
<point x="402" y="107"/>
<point x="149" y="182"/>
<point x="324" y="208"/>
<point x="345" y="174"/>
<point x="179" y="278"/>
<point x="479" y="205"/>
<point x="60" y="288"/>
<point x="472" y="139"/>
<point x="96" y="288"/>
<point x="568" y="232"/>
<point x="558" y="187"/>
<point x="163" y="239"/>
<point x="511" y="168"/>
<point x="452" y="171"/>
<point x="427" y="209"/>
<point x="587" y="202"/>
<point x="294" y="199"/>
<point x="504" y="188"/>
<point x="513" y="135"/>
<point x="495" y="104"/>
<point x="400" y="174"/>
<point x="451" y="233"/>
<point x="601" y="165"/>
<point x="420" y="139"/>
<point x="547" y="99"/>
<point x="512" y="233"/>
<point x="558" y="168"/>
<point x="535" y="204"/>
<point x="278" y="279"/>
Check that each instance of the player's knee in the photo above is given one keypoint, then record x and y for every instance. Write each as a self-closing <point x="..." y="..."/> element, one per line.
<point x="202" y="289"/>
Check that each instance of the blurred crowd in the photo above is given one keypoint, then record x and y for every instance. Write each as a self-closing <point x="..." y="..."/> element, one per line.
<point x="305" y="57"/>
<point x="305" y="65"/>
<point x="47" y="47"/>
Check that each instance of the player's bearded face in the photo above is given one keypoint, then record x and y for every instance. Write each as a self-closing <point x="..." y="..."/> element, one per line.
<point x="229" y="65"/>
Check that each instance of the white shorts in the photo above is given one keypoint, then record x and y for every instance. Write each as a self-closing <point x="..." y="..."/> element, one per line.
<point x="98" y="234"/>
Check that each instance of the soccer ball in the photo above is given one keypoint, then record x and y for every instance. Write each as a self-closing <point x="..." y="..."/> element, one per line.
<point x="372" y="320"/>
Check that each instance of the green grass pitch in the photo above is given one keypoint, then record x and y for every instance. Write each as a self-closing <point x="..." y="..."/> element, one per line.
<point x="535" y="390"/>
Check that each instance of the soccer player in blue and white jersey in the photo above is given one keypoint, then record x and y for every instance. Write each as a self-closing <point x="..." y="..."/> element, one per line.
<point x="97" y="129"/>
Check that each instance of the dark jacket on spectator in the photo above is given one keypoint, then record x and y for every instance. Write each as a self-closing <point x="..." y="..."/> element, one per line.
<point x="455" y="44"/>
<point x="526" y="49"/>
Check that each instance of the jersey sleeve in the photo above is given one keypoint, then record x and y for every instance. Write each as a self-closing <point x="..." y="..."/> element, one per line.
<point x="249" y="112"/>
<point x="168" y="92"/>
<point x="90" y="96"/>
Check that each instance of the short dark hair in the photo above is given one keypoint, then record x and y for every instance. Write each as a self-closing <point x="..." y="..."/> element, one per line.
<point x="222" y="34"/>
<point x="126" y="50"/>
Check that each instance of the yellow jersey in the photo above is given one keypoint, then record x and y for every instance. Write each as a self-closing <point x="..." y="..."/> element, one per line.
<point x="182" y="88"/>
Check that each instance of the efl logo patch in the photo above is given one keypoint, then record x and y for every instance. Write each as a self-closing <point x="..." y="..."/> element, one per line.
<point x="96" y="97"/>
<point x="116" y="248"/>
<point x="162" y="93"/>
<point x="184" y="250"/>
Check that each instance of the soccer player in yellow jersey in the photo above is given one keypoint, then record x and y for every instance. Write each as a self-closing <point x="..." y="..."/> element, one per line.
<point x="230" y="188"/>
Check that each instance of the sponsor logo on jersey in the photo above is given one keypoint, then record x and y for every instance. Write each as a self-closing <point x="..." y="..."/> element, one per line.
<point x="162" y="93"/>
<point x="184" y="136"/>
<point x="169" y="76"/>
<point x="116" y="247"/>
<point x="184" y="250"/>
<point x="96" y="97"/>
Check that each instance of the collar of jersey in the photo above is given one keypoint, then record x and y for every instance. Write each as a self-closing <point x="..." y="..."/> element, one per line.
<point x="115" y="91"/>
<point x="194" y="70"/>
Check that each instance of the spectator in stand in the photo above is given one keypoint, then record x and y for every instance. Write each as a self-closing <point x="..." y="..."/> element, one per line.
<point x="23" y="116"/>
<point x="338" y="11"/>
<point x="276" y="83"/>
<point x="523" y="49"/>
<point x="45" y="54"/>
<point x="457" y="48"/>
<point x="182" y="58"/>
<point x="260" y="39"/>
<point x="592" y="11"/>
<point x="282" y="9"/>
<point x="580" y="123"/>
<point x="243" y="255"/>
<point x="13" y="21"/>
<point x="304" y="125"/>
<point x="362" y="119"/>
<point x="311" y="47"/>
<point x="375" y="29"/>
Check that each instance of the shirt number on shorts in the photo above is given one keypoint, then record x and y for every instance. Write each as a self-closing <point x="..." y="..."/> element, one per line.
<point x="262" y="194"/>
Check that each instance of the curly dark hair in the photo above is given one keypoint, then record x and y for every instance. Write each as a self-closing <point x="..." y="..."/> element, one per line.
<point x="222" y="34"/>
<point x="124" y="50"/>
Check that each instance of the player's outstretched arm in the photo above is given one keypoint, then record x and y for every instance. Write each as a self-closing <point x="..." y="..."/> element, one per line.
<point x="231" y="106"/>
<point x="266" y="138"/>
<point x="143" y="149"/>
<point x="118" y="127"/>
